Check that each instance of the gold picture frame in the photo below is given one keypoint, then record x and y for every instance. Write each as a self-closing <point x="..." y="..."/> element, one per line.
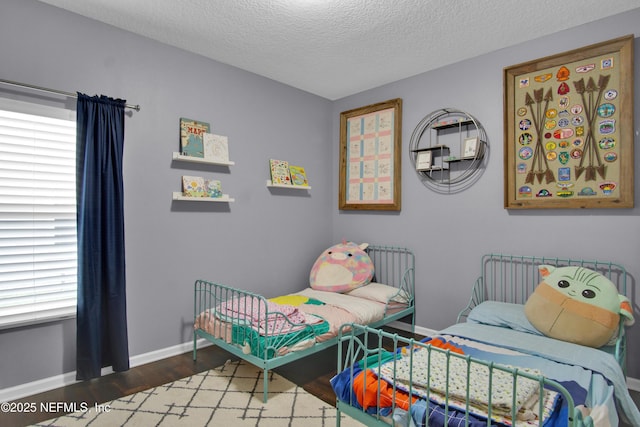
<point x="568" y="135"/>
<point x="370" y="157"/>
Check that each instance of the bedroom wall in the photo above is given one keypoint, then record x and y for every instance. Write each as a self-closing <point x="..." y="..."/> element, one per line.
<point x="449" y="233"/>
<point x="265" y="241"/>
<point x="250" y="243"/>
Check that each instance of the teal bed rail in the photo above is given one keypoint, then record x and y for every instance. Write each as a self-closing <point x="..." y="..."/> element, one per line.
<point x="220" y="316"/>
<point x="362" y="349"/>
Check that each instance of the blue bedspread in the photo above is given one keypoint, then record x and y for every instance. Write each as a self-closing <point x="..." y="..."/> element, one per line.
<point x="593" y="376"/>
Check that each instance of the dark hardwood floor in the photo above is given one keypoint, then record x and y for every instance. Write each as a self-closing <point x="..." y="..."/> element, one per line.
<point x="311" y="373"/>
<point x="116" y="385"/>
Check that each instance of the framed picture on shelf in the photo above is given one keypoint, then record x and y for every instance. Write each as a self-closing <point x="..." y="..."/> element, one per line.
<point x="370" y="159"/>
<point x="298" y="175"/>
<point x="280" y="173"/>
<point x="568" y="135"/>
<point x="216" y="147"/>
<point x="424" y="160"/>
<point x="471" y="148"/>
<point x="193" y="186"/>
<point x="191" y="137"/>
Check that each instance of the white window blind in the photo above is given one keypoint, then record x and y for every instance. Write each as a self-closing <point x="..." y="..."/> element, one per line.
<point x="38" y="249"/>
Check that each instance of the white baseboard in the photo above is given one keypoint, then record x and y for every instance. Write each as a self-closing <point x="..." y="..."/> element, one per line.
<point x="35" y="387"/>
<point x="633" y="384"/>
<point x="68" y="378"/>
<point x="46" y="384"/>
<point x="407" y="327"/>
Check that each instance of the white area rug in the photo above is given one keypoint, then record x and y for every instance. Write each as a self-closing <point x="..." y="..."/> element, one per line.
<point x="230" y="395"/>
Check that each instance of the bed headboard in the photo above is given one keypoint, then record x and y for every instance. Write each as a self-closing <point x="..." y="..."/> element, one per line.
<point x="512" y="278"/>
<point x="394" y="266"/>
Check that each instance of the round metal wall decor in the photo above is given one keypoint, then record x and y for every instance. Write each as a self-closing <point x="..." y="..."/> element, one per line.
<point x="449" y="150"/>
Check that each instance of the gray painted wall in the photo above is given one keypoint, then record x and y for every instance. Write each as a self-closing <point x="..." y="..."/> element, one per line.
<point x="449" y="233"/>
<point x="267" y="240"/>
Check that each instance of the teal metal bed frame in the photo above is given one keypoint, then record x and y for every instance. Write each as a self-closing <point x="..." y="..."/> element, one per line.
<point x="394" y="266"/>
<point x="504" y="278"/>
<point x="512" y="278"/>
<point x="370" y="345"/>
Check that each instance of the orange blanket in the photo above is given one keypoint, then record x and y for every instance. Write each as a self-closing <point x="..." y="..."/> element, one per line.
<point x="366" y="383"/>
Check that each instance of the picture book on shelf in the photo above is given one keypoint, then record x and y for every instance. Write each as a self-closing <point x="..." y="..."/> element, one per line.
<point x="213" y="188"/>
<point x="193" y="186"/>
<point x="280" y="174"/>
<point x="298" y="175"/>
<point x="216" y="147"/>
<point x="191" y="137"/>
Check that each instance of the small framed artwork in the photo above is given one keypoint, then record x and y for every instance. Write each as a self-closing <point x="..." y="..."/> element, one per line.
<point x="424" y="160"/>
<point x="471" y="148"/>
<point x="569" y="133"/>
<point x="370" y="165"/>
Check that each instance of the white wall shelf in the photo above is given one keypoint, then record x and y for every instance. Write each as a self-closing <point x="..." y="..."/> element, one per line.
<point x="224" y="199"/>
<point x="192" y="159"/>
<point x="293" y="187"/>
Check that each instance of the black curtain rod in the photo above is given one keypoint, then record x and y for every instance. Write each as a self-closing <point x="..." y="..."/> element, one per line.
<point x="59" y="92"/>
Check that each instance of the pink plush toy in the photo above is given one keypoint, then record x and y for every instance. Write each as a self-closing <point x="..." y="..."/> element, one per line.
<point x="341" y="268"/>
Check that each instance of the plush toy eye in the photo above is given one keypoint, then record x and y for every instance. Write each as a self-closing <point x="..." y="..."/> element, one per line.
<point x="349" y="254"/>
<point x="563" y="284"/>
<point x="329" y="252"/>
<point x="588" y="293"/>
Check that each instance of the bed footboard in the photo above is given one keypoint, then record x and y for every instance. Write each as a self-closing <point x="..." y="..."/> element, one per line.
<point x="250" y="322"/>
<point x="370" y="359"/>
<point x="395" y="266"/>
<point x="246" y="325"/>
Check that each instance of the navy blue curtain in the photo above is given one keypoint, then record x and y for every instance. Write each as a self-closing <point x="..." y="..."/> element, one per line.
<point x="102" y="311"/>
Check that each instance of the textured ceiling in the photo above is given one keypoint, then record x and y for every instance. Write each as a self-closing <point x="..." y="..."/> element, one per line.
<point x="335" y="48"/>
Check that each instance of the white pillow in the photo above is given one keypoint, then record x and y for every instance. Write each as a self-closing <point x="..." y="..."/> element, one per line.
<point x="381" y="293"/>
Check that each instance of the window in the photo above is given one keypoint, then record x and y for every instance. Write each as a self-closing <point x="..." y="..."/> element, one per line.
<point x="38" y="247"/>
